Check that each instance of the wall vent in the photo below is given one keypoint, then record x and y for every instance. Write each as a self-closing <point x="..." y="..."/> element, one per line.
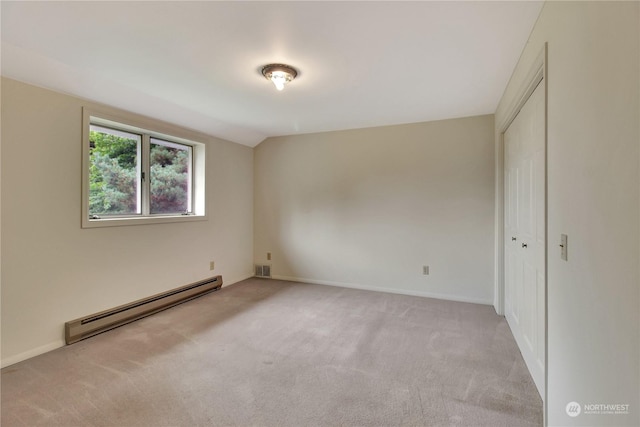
<point x="88" y="326"/>
<point x="263" y="271"/>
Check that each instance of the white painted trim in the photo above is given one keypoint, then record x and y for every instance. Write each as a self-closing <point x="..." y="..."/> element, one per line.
<point x="446" y="297"/>
<point x="498" y="291"/>
<point x="234" y="281"/>
<point x="32" y="353"/>
<point x="147" y="128"/>
<point x="539" y="71"/>
<point x="60" y="343"/>
<point x="536" y="74"/>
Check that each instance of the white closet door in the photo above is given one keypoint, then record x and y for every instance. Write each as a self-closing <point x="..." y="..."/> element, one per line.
<point x="524" y="213"/>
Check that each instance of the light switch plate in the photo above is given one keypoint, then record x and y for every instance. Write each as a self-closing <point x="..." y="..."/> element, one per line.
<point x="563" y="247"/>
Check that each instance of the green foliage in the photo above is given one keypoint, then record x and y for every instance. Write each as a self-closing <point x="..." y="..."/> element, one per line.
<point x="113" y="176"/>
<point x="124" y="150"/>
<point x="169" y="179"/>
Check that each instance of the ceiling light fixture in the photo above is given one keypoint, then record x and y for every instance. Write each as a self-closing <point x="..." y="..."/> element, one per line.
<point x="279" y="74"/>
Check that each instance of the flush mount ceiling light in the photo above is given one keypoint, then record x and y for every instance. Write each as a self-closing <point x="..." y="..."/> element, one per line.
<point x="279" y="74"/>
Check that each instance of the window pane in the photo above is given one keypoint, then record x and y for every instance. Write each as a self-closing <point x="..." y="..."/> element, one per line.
<point x="170" y="169"/>
<point x="114" y="173"/>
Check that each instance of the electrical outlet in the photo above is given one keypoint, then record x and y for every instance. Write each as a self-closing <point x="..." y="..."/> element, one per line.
<point x="212" y="265"/>
<point x="425" y="270"/>
<point x="268" y="256"/>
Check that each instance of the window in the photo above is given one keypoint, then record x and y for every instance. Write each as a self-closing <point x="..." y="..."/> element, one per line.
<point x="136" y="174"/>
<point x="169" y="177"/>
<point x="115" y="173"/>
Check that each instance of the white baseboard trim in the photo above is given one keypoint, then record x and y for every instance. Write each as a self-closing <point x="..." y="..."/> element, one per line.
<point x="60" y="343"/>
<point x="32" y="353"/>
<point x="446" y="297"/>
<point x="234" y="281"/>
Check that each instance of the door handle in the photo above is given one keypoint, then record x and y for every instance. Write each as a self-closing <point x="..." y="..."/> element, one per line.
<point x="524" y="245"/>
<point x="513" y="239"/>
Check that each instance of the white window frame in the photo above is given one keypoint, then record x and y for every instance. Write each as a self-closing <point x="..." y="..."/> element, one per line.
<point x="148" y="129"/>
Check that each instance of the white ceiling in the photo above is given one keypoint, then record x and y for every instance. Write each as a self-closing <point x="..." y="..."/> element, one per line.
<point x="197" y="64"/>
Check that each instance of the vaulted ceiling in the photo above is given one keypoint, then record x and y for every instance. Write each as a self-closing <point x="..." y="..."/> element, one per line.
<point x="197" y="64"/>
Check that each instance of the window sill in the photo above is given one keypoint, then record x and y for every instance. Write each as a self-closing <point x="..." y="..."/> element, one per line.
<point x="118" y="222"/>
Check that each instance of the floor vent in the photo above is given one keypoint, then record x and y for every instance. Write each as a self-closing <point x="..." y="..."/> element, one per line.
<point x="263" y="271"/>
<point x="88" y="326"/>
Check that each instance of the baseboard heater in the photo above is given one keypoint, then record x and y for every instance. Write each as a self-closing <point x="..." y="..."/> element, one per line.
<point x="88" y="326"/>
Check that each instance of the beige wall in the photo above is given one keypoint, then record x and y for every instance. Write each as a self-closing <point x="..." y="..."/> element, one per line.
<point x="54" y="271"/>
<point x="593" y="197"/>
<point x="368" y="208"/>
<point x="365" y="208"/>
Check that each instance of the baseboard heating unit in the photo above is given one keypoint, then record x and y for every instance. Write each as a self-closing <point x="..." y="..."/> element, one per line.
<point x="88" y="326"/>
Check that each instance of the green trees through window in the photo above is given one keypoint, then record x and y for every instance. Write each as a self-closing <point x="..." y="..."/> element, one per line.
<point x="117" y="178"/>
<point x="114" y="172"/>
<point x="169" y="177"/>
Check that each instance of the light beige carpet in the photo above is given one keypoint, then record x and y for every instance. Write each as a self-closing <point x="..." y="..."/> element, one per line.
<point x="272" y="353"/>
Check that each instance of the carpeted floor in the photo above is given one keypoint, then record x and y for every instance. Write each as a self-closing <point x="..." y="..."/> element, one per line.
<point x="273" y="353"/>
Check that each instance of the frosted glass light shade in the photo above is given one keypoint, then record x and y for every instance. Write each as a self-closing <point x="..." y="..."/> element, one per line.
<point x="279" y="74"/>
